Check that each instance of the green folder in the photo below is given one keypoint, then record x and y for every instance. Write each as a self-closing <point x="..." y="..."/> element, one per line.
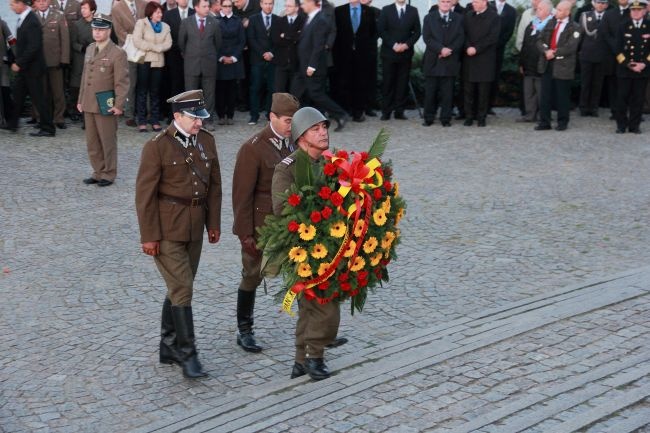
<point x="106" y="101"/>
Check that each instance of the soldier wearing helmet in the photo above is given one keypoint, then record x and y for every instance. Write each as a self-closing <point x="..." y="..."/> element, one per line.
<point x="317" y="324"/>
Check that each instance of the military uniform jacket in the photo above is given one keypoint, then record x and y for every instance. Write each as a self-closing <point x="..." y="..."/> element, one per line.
<point x="633" y="46"/>
<point x="594" y="46"/>
<point x="164" y="170"/>
<point x="251" y="185"/>
<point x="106" y="70"/>
<point x="71" y="11"/>
<point x="56" y="38"/>
<point x="564" y="64"/>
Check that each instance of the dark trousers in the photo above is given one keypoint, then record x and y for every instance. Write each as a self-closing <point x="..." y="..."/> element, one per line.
<point x="262" y="84"/>
<point x="629" y="99"/>
<point x="243" y="84"/>
<point x="494" y="88"/>
<point x="394" y="89"/>
<point x="312" y="89"/>
<point x="34" y="87"/>
<point x="148" y="85"/>
<point x="351" y="84"/>
<point x="174" y="79"/>
<point x="611" y="83"/>
<point x="371" y="95"/>
<point x="591" y="83"/>
<point x="283" y="79"/>
<point x="561" y="90"/>
<point x="226" y="98"/>
<point x="438" y="92"/>
<point x="477" y="99"/>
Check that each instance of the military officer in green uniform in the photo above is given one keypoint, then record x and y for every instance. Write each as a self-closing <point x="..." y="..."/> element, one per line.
<point x="317" y="324"/>
<point x="632" y="72"/>
<point x="251" y="203"/>
<point x="177" y="197"/>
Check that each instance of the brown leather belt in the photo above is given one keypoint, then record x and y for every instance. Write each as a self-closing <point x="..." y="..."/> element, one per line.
<point x="191" y="202"/>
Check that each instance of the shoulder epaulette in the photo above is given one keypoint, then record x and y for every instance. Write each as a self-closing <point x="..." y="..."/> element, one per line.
<point x="288" y="161"/>
<point x="205" y="130"/>
<point x="158" y="136"/>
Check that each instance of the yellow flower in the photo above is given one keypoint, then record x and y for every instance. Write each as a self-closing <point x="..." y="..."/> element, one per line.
<point x="304" y="270"/>
<point x="379" y="217"/>
<point x="358" y="228"/>
<point x="387" y="241"/>
<point x="307" y="232"/>
<point x="370" y="245"/>
<point x="358" y="264"/>
<point x="396" y="188"/>
<point x="350" y="250"/>
<point x="374" y="260"/>
<point x="297" y="254"/>
<point x="319" y="251"/>
<point x="338" y="229"/>
<point x="399" y="215"/>
<point x="386" y="205"/>
<point x="323" y="268"/>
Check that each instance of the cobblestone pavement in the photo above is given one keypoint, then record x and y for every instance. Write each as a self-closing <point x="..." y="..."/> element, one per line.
<point x="496" y="215"/>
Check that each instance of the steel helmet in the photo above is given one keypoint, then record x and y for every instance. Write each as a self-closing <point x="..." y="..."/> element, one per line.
<point x="304" y="119"/>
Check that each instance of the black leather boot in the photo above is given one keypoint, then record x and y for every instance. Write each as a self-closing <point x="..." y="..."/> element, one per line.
<point x="245" y="307"/>
<point x="338" y="341"/>
<point x="297" y="370"/>
<point x="316" y="368"/>
<point x="168" y="353"/>
<point x="185" y="347"/>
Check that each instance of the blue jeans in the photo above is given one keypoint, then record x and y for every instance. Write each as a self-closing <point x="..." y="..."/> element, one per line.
<point x="148" y="84"/>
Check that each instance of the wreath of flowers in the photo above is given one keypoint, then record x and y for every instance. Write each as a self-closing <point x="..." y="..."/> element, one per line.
<point x="338" y="228"/>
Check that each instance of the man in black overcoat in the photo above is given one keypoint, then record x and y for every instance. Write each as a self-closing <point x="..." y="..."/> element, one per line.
<point x="609" y="29"/>
<point x="372" y="67"/>
<point x="285" y="37"/>
<point x="507" y="19"/>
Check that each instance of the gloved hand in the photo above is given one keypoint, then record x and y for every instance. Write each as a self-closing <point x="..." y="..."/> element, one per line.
<point x="248" y="245"/>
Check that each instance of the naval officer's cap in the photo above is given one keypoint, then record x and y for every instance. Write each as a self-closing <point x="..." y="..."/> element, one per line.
<point x="101" y="21"/>
<point x="638" y="4"/>
<point x="190" y="103"/>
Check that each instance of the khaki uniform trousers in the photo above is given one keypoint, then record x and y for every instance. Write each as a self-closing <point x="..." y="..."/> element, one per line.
<point x="178" y="263"/>
<point x="101" y="139"/>
<point x="250" y="273"/>
<point x="54" y="95"/>
<point x="317" y="326"/>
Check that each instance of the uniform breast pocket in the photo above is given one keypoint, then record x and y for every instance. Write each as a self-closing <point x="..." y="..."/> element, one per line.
<point x="175" y="170"/>
<point x="105" y="66"/>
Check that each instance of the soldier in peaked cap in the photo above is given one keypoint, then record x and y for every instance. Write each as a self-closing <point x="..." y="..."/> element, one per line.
<point x="177" y="197"/>
<point x="105" y="71"/>
<point x="251" y="202"/>
<point x="632" y="72"/>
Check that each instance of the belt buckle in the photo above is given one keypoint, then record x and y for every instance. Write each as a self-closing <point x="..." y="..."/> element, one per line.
<point x="196" y="201"/>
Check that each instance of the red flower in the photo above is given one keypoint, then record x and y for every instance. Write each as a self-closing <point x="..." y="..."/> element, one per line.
<point x="343" y="277"/>
<point x="326" y="212"/>
<point x="315" y="217"/>
<point x="342" y="154"/>
<point x="336" y="199"/>
<point x="377" y="272"/>
<point x="355" y="292"/>
<point x="364" y="156"/>
<point x="325" y="192"/>
<point x="294" y="200"/>
<point x="388" y="185"/>
<point x="324" y="285"/>
<point x="377" y="194"/>
<point x="293" y="226"/>
<point x="329" y="169"/>
<point x="362" y="275"/>
<point x="346" y="286"/>
<point x="385" y="262"/>
<point x="309" y="294"/>
<point x="362" y="283"/>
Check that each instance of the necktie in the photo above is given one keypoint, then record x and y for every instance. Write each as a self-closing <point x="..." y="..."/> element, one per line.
<point x="554" y="36"/>
<point x="598" y="17"/>
<point x="62" y="4"/>
<point x="444" y="17"/>
<point x="355" y="19"/>
<point x="268" y="22"/>
<point x="202" y="25"/>
<point x="183" y="15"/>
<point x="43" y="13"/>
<point x="290" y="20"/>
<point x="401" y="13"/>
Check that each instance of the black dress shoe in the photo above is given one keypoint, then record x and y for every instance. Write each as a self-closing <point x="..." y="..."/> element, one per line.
<point x="427" y="123"/>
<point x="32" y="122"/>
<point x="41" y="133"/>
<point x="248" y="343"/>
<point x="400" y="116"/>
<point x="446" y="124"/>
<point x="90" y="181"/>
<point x="620" y="130"/>
<point x="104" y="182"/>
<point x="635" y="130"/>
<point x="338" y="341"/>
<point x="468" y="122"/>
<point x="541" y="127"/>
<point x="481" y="123"/>
<point x="561" y="128"/>
<point x="316" y="368"/>
<point x="297" y="370"/>
<point x="371" y="113"/>
<point x="61" y="125"/>
<point x="385" y="116"/>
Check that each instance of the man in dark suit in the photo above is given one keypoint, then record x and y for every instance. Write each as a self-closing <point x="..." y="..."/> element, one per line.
<point x="609" y="29"/>
<point x="593" y="56"/>
<point x="285" y="37"/>
<point x="633" y="69"/>
<point x="260" y="45"/>
<point x="29" y="67"/>
<point x="443" y="36"/>
<point x="479" y="62"/>
<point x="356" y="32"/>
<point x="372" y="66"/>
<point x="174" y="81"/>
<point x="558" y="43"/>
<point x="311" y="77"/>
<point x="399" y="29"/>
<point x="507" y="19"/>
<point x="199" y="39"/>
<point x="244" y="9"/>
